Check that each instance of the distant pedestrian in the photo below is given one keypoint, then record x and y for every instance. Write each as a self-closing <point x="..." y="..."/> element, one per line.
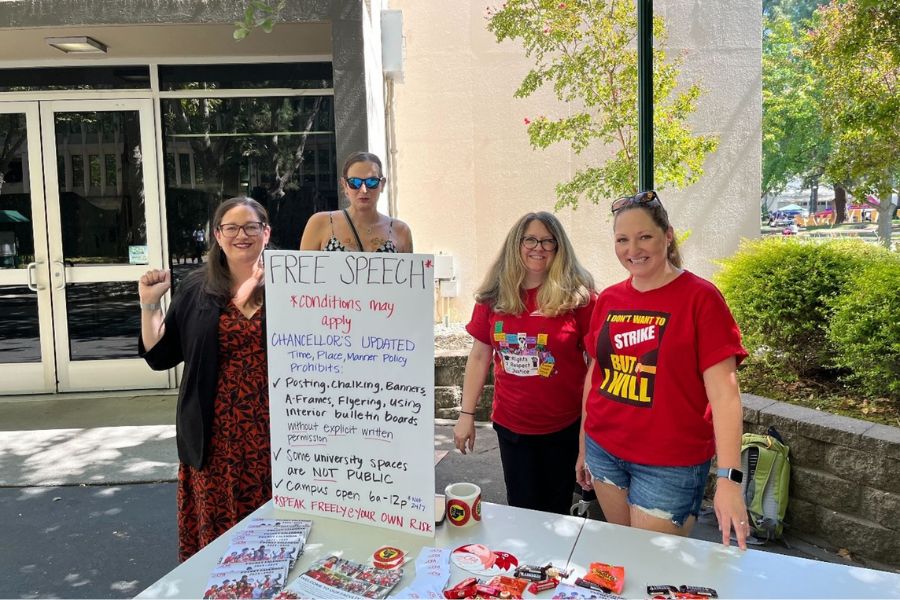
<point x="215" y="326"/>
<point x="533" y="310"/>
<point x="199" y="237"/>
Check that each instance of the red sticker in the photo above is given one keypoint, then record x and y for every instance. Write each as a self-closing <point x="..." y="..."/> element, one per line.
<point x="458" y="512"/>
<point x="388" y="553"/>
<point x="476" y="508"/>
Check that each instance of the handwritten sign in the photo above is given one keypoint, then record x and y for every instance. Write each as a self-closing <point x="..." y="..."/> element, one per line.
<point x="351" y="385"/>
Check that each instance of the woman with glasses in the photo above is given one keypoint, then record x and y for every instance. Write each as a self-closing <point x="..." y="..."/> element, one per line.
<point x="216" y="325"/>
<point x="533" y="310"/>
<point x="661" y="395"/>
<point x="360" y="227"/>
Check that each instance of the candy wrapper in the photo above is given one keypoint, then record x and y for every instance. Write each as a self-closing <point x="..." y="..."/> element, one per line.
<point x="609" y="577"/>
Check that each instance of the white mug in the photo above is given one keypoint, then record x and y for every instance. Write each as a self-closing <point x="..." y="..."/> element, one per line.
<point x="463" y="504"/>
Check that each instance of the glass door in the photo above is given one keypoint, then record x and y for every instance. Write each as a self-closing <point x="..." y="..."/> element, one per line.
<point x="103" y="233"/>
<point x="26" y="330"/>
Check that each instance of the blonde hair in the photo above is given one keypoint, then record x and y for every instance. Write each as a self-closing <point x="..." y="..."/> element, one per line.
<point x="568" y="285"/>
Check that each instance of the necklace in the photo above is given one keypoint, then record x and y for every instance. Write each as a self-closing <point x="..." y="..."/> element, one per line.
<point x="369" y="227"/>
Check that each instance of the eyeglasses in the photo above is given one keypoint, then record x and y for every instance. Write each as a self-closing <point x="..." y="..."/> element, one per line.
<point x="251" y="229"/>
<point x="372" y="183"/>
<point x="548" y="244"/>
<point x="649" y="199"/>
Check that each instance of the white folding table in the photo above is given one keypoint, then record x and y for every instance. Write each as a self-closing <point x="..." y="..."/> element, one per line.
<point x="538" y="538"/>
<point x="652" y="558"/>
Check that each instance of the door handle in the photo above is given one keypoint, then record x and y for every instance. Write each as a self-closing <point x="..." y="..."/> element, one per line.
<point x="29" y="270"/>
<point x="60" y="275"/>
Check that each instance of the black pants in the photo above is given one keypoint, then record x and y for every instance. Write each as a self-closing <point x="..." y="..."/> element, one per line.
<point x="539" y="470"/>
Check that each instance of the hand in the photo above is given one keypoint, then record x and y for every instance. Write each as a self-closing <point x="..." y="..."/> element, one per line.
<point x="464" y="433"/>
<point x="246" y="289"/>
<point x="582" y="475"/>
<point x="153" y="285"/>
<point x="731" y="512"/>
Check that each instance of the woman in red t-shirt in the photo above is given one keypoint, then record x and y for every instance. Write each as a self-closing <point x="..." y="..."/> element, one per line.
<point x="532" y="313"/>
<point x="661" y="395"/>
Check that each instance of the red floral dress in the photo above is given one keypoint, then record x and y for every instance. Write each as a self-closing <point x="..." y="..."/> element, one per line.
<point x="236" y="478"/>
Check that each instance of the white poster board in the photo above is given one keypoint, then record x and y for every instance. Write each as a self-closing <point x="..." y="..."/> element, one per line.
<point x="350" y="339"/>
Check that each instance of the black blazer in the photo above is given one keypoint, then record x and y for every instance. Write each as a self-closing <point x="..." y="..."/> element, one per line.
<point x="191" y="336"/>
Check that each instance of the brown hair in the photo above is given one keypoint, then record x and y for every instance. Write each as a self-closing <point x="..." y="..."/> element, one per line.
<point x="568" y="285"/>
<point x="661" y="218"/>
<point x="361" y="157"/>
<point x="218" y="276"/>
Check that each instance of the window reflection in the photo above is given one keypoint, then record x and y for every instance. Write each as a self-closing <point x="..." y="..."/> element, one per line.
<point x="102" y="320"/>
<point x="20" y="338"/>
<point x="277" y="150"/>
<point x="16" y="235"/>
<point x="296" y="75"/>
<point x="101" y="197"/>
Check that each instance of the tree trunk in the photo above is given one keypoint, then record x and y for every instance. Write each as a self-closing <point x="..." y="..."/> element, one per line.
<point x="814" y="196"/>
<point x="840" y="204"/>
<point x="885" y="212"/>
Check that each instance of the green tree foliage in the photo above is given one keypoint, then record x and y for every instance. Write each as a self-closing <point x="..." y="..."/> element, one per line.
<point x="782" y="293"/>
<point x="585" y="51"/>
<point x="797" y="11"/>
<point x="865" y="329"/>
<point x="855" y="48"/>
<point x="258" y="13"/>
<point x="795" y="143"/>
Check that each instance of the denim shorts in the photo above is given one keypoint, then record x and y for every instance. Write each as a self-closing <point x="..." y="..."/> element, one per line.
<point x="672" y="493"/>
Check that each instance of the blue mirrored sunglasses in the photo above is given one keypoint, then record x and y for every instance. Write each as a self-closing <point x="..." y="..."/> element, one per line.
<point x="372" y="183"/>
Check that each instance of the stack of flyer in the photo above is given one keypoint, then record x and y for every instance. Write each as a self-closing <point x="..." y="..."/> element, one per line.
<point x="335" y="577"/>
<point x="258" y="559"/>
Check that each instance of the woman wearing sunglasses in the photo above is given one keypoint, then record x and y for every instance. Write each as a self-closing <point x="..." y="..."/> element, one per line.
<point x="533" y="310"/>
<point x="215" y="325"/>
<point x="661" y="395"/>
<point x="360" y="227"/>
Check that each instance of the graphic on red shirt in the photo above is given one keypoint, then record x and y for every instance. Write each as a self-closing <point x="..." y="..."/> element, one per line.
<point x="627" y="353"/>
<point x="524" y="355"/>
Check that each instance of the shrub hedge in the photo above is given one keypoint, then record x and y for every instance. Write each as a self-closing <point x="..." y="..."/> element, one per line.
<point x="783" y="293"/>
<point x="865" y="329"/>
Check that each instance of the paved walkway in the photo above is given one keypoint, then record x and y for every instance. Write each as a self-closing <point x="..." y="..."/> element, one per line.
<point x="87" y="493"/>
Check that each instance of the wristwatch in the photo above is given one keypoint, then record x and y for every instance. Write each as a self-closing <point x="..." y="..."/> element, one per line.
<point x="735" y="475"/>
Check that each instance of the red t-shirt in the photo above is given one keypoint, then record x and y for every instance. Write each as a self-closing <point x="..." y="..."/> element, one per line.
<point x="539" y="365"/>
<point x="647" y="402"/>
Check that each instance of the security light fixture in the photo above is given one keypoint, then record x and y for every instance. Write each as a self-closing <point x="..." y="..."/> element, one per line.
<point x="77" y="44"/>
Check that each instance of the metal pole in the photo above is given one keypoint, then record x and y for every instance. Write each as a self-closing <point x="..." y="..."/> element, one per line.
<point x="645" y="93"/>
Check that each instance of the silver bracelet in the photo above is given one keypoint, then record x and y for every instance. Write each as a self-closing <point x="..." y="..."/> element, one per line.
<point x="154" y="306"/>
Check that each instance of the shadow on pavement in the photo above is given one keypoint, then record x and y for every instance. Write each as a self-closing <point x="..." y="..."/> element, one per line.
<point x="86" y="542"/>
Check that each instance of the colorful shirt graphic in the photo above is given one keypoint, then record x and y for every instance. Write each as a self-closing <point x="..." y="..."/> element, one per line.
<point x="523" y="355"/>
<point x="539" y="365"/>
<point x="647" y="402"/>
<point x="628" y="347"/>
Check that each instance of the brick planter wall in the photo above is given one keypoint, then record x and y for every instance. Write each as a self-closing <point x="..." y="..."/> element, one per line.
<point x="845" y="473"/>
<point x="845" y="476"/>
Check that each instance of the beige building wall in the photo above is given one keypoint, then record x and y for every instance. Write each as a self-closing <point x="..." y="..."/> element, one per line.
<point x="465" y="170"/>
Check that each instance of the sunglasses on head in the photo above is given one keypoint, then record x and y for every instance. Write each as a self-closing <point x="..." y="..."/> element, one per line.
<point x="649" y="199"/>
<point x="355" y="183"/>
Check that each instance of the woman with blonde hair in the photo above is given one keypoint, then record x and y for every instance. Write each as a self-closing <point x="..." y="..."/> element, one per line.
<point x="533" y="310"/>
<point x="661" y="396"/>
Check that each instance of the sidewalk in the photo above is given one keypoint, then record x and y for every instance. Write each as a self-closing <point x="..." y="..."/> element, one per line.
<point x="87" y="493"/>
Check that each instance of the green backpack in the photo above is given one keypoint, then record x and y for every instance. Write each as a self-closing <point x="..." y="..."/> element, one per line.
<point x="767" y="475"/>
